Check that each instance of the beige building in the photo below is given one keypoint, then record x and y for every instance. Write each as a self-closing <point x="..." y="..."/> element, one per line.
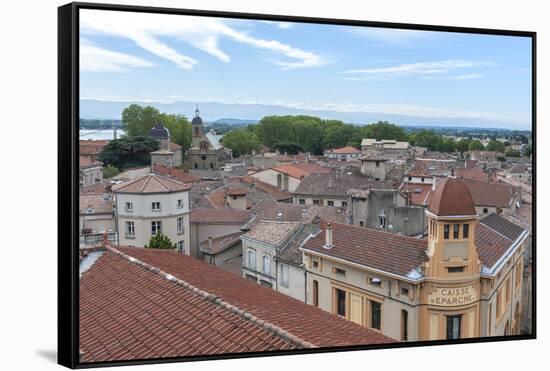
<point x="343" y="154"/>
<point x="96" y="217"/>
<point x="149" y="205"/>
<point x="464" y="280"/>
<point x="169" y="154"/>
<point x="90" y="172"/>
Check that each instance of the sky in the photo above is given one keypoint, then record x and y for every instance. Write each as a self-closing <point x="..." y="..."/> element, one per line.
<point x="127" y="56"/>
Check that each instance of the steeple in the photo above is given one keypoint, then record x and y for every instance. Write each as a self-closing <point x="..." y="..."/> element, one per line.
<point x="196" y="110"/>
<point x="197" y="128"/>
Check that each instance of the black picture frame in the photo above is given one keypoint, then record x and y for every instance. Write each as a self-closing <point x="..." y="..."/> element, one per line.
<point x="68" y="129"/>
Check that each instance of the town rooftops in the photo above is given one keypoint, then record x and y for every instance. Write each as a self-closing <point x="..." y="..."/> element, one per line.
<point x="194" y="309"/>
<point x="272" y="232"/>
<point x="159" y="131"/>
<point x="344" y="150"/>
<point x="451" y="198"/>
<point x="224" y="215"/>
<point x="176" y="174"/>
<point x="214" y="140"/>
<point x="473" y="173"/>
<point x="150" y="183"/>
<point x="91" y="147"/>
<point x="388" y="252"/>
<point x="301" y="170"/>
<point x="385" y="143"/>
<point x="217" y="245"/>
<point x="86" y="162"/>
<point x="487" y="194"/>
<point x="95" y="203"/>
<point x="236" y="192"/>
<point x="338" y="183"/>
<point x="420" y="193"/>
<point x="276" y="193"/>
<point x="372" y="155"/>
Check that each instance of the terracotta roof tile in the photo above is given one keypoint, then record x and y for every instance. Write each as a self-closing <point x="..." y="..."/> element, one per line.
<point x="278" y="194"/>
<point x="487" y="194"/>
<point x="224" y="215"/>
<point x="473" y="173"/>
<point x="236" y="192"/>
<point x="86" y="162"/>
<point x="419" y="193"/>
<point x="150" y="183"/>
<point x="221" y="243"/>
<point x="451" y="197"/>
<point x="301" y="170"/>
<point x="176" y="174"/>
<point x="304" y="321"/>
<point x="373" y="248"/>
<point x="344" y="150"/>
<point x="272" y="232"/>
<point x="130" y="312"/>
<point x="338" y="183"/>
<point x="98" y="202"/>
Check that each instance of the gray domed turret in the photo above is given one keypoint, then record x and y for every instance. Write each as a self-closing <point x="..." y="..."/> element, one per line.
<point x="198" y="129"/>
<point x="159" y="131"/>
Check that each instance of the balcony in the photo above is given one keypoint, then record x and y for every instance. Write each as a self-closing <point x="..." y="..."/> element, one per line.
<point x="90" y="240"/>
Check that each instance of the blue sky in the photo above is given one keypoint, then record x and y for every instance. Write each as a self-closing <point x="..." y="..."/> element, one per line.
<point x="155" y="57"/>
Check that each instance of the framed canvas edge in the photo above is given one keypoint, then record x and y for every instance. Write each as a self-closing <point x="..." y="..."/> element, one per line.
<point x="68" y="116"/>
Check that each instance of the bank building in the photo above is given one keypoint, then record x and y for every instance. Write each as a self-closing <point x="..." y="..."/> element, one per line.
<point x="206" y="152"/>
<point x="463" y="280"/>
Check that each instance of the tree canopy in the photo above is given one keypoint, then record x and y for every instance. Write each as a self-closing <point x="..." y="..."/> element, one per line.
<point x="160" y="241"/>
<point x="494" y="145"/>
<point x="241" y="141"/>
<point x="138" y="120"/>
<point x="128" y="152"/>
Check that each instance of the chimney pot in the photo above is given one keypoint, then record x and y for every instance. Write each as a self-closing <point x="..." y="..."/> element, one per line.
<point x="328" y="236"/>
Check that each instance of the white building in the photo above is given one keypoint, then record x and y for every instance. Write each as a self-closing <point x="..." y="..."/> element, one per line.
<point x="149" y="205"/>
<point x="90" y="171"/>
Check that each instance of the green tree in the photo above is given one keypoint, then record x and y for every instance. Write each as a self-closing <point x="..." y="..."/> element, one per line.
<point x="476" y="145"/>
<point x="384" y="130"/>
<point x="289" y="147"/>
<point x="426" y="138"/>
<point x="110" y="171"/>
<point x="160" y="241"/>
<point x="463" y="145"/>
<point x="241" y="141"/>
<point x="138" y="120"/>
<point x="513" y="153"/>
<point x="497" y="146"/>
<point x="528" y="150"/>
<point x="128" y="152"/>
<point x="179" y="127"/>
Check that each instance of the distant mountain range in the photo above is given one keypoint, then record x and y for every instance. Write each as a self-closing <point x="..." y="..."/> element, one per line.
<point x="251" y="113"/>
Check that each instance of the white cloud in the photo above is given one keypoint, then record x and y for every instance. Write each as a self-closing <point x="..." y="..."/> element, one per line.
<point x="390" y="35"/>
<point x="149" y="31"/>
<point x="467" y="76"/>
<point x="418" y="69"/>
<point x="96" y="59"/>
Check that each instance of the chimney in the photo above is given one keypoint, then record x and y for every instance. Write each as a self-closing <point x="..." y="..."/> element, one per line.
<point x="210" y="243"/>
<point x="328" y="237"/>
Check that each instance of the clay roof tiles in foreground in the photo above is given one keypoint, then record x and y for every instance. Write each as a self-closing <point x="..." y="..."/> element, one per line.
<point x="451" y="197"/>
<point x="151" y="183"/>
<point x="158" y="303"/>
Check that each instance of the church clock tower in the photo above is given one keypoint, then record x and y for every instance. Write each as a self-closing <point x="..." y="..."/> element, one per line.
<point x="197" y="129"/>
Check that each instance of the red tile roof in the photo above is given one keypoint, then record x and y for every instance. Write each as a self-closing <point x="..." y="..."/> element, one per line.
<point x="179" y="175"/>
<point x="344" y="150"/>
<point x="221" y="243"/>
<point x="87" y="162"/>
<point x="372" y="248"/>
<point x="236" y="192"/>
<point x="473" y="173"/>
<point x="100" y="203"/>
<point x="128" y="311"/>
<point x="301" y="170"/>
<point x="487" y="194"/>
<point x="451" y="198"/>
<point x="278" y="194"/>
<point x="419" y="193"/>
<point x="151" y="183"/>
<point x="303" y="321"/>
<point x="224" y="215"/>
<point x="91" y="147"/>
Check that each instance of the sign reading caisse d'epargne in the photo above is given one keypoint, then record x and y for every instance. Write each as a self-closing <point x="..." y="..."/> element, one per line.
<point x="449" y="296"/>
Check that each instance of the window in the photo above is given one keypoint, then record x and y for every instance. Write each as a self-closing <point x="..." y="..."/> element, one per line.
<point x="156" y="227"/>
<point x="382" y="220"/>
<point x="340" y="302"/>
<point x="455" y="269"/>
<point x="404" y="325"/>
<point x="465" y="230"/>
<point x="456" y="228"/>
<point x="375" y="315"/>
<point x="344" y="204"/>
<point x="446" y="231"/>
<point x="266" y="264"/>
<point x="410" y="178"/>
<point x="453" y="326"/>
<point x="485" y="210"/>
<point x="315" y="263"/>
<point x="374" y="281"/>
<point x="180" y="204"/>
<point x="279" y="180"/>
<point x="404" y="291"/>
<point x="361" y="223"/>
<point x="129" y="207"/>
<point x="180" y="246"/>
<point x="315" y="293"/>
<point x="155" y="206"/>
<point x="330" y="203"/>
<point x="284" y="275"/>
<point x="130" y="232"/>
<point x="338" y="271"/>
<point x="251" y="263"/>
<point x="301" y="201"/>
<point x="422" y="179"/>
<point x="316" y="202"/>
<point x="179" y="225"/>
<point x="377" y="163"/>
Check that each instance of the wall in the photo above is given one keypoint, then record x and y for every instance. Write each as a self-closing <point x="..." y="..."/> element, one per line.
<point x="269" y="176"/>
<point x="201" y="231"/>
<point x="261" y="250"/>
<point x="296" y="281"/>
<point x="369" y="168"/>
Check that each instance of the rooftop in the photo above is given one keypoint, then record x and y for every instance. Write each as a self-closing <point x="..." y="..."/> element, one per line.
<point x="159" y="131"/>
<point x="194" y="308"/>
<point x="86" y="162"/>
<point x="487" y="194"/>
<point x="221" y="243"/>
<point x="451" y="197"/>
<point x="344" y="150"/>
<point x="473" y="173"/>
<point x="272" y="232"/>
<point x="150" y="183"/>
<point x="224" y="215"/>
<point x="301" y="170"/>
<point x="420" y="193"/>
<point x="176" y="174"/>
<point x="95" y="203"/>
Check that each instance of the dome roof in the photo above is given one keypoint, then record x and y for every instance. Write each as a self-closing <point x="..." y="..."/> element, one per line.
<point x="452" y="198"/>
<point x="159" y="131"/>
<point x="196" y="121"/>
